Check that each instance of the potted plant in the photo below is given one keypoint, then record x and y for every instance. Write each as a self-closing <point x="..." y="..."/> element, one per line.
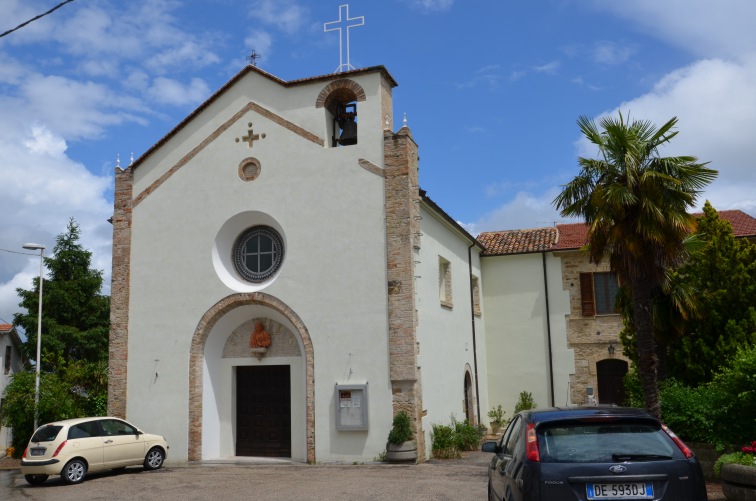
<point x="400" y="446"/>
<point x="496" y="415"/>
<point x="737" y="471"/>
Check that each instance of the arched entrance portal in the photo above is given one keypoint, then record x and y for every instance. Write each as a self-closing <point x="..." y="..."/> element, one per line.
<point x="611" y="387"/>
<point x="213" y="376"/>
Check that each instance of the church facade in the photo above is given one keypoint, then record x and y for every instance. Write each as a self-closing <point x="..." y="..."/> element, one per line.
<point x="281" y="286"/>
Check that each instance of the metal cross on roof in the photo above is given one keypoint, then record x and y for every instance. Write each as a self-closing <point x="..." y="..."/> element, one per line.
<point x="344" y="22"/>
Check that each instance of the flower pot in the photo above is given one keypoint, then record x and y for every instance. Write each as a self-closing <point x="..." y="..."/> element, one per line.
<point x="406" y="451"/>
<point x="738" y="482"/>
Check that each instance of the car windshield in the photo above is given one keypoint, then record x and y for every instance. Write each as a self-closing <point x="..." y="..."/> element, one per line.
<point x="604" y="442"/>
<point x="46" y="433"/>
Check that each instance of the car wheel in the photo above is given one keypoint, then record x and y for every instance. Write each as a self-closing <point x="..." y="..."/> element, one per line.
<point x="490" y="492"/>
<point x="74" y="471"/>
<point x="36" y="479"/>
<point x="154" y="459"/>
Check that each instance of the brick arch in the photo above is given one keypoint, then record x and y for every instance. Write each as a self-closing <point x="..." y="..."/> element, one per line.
<point x="196" y="357"/>
<point x="343" y="90"/>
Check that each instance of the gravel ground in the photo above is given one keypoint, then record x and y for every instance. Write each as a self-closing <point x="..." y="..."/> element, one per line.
<point x="458" y="480"/>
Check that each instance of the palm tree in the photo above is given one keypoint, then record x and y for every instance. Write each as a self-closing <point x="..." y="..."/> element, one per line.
<point x="636" y="204"/>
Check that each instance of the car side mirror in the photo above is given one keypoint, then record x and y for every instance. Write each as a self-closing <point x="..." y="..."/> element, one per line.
<point x="490" y="447"/>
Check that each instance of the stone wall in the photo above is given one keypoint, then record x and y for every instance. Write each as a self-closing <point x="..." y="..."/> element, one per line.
<point x="589" y="337"/>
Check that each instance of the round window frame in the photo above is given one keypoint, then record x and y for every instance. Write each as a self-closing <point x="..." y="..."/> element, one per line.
<point x="238" y="254"/>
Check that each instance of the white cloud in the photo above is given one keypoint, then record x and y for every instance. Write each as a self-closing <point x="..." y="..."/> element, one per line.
<point x="707" y="29"/>
<point x="169" y="91"/>
<point x="526" y="210"/>
<point x="548" y="68"/>
<point x="433" y="5"/>
<point x="42" y="189"/>
<point x="286" y="15"/>
<point x="611" y="53"/>
<point x="75" y="109"/>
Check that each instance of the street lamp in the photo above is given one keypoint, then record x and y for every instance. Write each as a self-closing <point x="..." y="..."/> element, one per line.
<point x="41" y="249"/>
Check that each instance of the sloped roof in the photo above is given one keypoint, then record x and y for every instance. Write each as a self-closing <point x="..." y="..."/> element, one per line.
<point x="498" y="243"/>
<point x="575" y="235"/>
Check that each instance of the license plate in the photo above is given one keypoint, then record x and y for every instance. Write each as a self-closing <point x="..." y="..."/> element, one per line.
<point x="38" y="452"/>
<point x="631" y="490"/>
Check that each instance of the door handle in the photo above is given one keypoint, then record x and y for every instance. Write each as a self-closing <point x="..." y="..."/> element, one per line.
<point x="108" y="441"/>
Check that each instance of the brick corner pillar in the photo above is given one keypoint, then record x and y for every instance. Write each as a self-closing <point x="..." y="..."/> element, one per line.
<point x="118" y="348"/>
<point x="402" y="237"/>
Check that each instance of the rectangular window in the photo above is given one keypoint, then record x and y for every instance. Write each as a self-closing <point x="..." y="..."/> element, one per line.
<point x="7" y="360"/>
<point x="475" y="282"/>
<point x="444" y="282"/>
<point x="598" y="293"/>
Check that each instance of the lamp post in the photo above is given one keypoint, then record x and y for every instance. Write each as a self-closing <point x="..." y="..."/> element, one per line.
<point x="41" y="249"/>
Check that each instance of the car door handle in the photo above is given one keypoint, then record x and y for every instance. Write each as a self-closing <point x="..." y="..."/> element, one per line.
<point x="108" y="441"/>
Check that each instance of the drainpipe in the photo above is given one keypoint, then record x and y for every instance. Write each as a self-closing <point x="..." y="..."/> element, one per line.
<point x="475" y="349"/>
<point x="548" y="326"/>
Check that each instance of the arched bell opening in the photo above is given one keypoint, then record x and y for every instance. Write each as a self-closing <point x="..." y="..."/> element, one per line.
<point x="340" y="100"/>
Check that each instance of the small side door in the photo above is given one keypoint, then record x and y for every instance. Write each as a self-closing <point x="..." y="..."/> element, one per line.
<point x="86" y="440"/>
<point x="123" y="444"/>
<point x="500" y="484"/>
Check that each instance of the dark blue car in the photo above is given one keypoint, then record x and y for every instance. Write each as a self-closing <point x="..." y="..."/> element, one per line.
<point x="591" y="454"/>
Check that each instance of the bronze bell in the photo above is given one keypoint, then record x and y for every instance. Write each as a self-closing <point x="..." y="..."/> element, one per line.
<point x="348" y="131"/>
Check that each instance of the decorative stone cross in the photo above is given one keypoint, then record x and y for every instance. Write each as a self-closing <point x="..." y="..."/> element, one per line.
<point x="251" y="137"/>
<point x="344" y="22"/>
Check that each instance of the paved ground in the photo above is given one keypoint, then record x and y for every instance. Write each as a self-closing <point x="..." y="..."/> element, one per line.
<point x="458" y="480"/>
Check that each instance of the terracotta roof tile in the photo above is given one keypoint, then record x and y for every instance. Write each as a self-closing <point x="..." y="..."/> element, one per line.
<point x="743" y="225"/>
<point x="575" y="235"/>
<point x="571" y="236"/>
<point x="499" y="243"/>
<point x="6" y="327"/>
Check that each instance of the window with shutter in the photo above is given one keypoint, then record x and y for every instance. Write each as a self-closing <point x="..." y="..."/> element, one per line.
<point x="586" y="294"/>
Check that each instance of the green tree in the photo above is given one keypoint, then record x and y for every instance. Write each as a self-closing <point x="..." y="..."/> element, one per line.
<point x="75" y="323"/>
<point x="724" y="277"/>
<point x="636" y="205"/>
<point x="75" y="317"/>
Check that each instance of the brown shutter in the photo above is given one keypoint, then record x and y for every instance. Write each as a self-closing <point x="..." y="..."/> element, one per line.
<point x="586" y="294"/>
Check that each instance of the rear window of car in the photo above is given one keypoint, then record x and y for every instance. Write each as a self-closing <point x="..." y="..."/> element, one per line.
<point x="46" y="433"/>
<point x="604" y="443"/>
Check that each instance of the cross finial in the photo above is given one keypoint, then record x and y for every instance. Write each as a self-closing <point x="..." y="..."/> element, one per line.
<point x="344" y="22"/>
<point x="404" y="122"/>
<point x="254" y="57"/>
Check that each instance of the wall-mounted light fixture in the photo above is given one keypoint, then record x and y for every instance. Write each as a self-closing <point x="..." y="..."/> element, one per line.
<point x="610" y="349"/>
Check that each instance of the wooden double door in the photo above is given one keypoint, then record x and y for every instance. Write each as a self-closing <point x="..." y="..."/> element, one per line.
<point x="263" y="411"/>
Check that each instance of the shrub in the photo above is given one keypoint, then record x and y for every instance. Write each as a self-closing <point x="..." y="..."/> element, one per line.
<point x="466" y="436"/>
<point x="695" y="413"/>
<point x="738" y="382"/>
<point x="443" y="443"/>
<point x="525" y="402"/>
<point x="734" y="458"/>
<point x="402" y="430"/>
<point x="496" y="415"/>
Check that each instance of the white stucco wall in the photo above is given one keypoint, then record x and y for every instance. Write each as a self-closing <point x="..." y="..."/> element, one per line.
<point x="330" y="213"/>
<point x="516" y="330"/>
<point x="445" y="334"/>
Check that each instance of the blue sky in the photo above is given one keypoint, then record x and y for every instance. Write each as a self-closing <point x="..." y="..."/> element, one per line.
<point x="491" y="89"/>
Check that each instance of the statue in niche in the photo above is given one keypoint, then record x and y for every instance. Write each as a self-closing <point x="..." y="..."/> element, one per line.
<point x="260" y="337"/>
